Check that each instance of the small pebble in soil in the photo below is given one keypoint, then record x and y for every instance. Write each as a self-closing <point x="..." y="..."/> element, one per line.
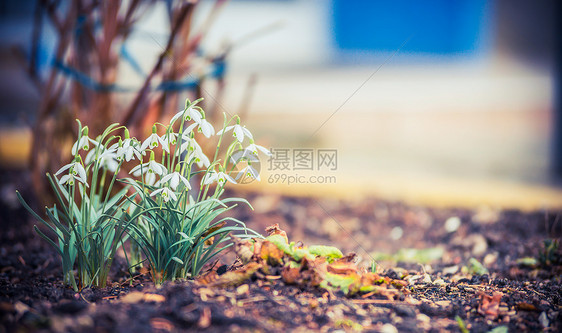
<point x="543" y="319"/>
<point x="452" y="224"/>
<point x="396" y="233"/>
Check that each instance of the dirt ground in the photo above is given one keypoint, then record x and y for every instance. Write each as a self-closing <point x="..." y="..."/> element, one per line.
<point x="482" y="269"/>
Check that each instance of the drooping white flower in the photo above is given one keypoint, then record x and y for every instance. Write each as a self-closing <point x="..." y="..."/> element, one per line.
<point x="243" y="155"/>
<point x="190" y="112"/>
<point x="249" y="171"/>
<point x="206" y="128"/>
<point x="75" y="172"/>
<point x="108" y="160"/>
<point x="83" y="143"/>
<point x="220" y="177"/>
<point x="151" y="167"/>
<point x="130" y="148"/>
<point x="239" y="132"/>
<point x="175" y="178"/>
<point x="152" y="141"/>
<point x="150" y="179"/>
<point x="168" y="139"/>
<point x="166" y="193"/>
<point x="200" y="158"/>
<point x="188" y="142"/>
<point x="106" y="157"/>
<point x="254" y="149"/>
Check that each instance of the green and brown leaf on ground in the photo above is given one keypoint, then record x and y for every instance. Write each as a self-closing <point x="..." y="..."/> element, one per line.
<point x="315" y="266"/>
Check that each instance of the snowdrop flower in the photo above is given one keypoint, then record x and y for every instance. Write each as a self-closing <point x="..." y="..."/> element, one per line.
<point x="168" y="139"/>
<point x="220" y="177"/>
<point x="107" y="157"/>
<point x="206" y="128"/>
<point x="249" y="171"/>
<point x="189" y="143"/>
<point x="200" y="158"/>
<point x="166" y="193"/>
<point x="83" y="143"/>
<point x="151" y="167"/>
<point x="239" y="132"/>
<point x="75" y="172"/>
<point x="128" y="149"/>
<point x="243" y="155"/>
<point x="150" y="179"/>
<point x="190" y="112"/>
<point x="153" y="140"/>
<point x="175" y="178"/>
<point x="254" y="148"/>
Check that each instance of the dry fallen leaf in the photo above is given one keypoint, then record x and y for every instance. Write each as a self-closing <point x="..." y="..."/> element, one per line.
<point x="290" y="274"/>
<point x="205" y="319"/>
<point x="351" y="257"/>
<point x="137" y="296"/>
<point x="207" y="278"/>
<point x="271" y="253"/>
<point x="154" y="298"/>
<point x="489" y="305"/>
<point x="342" y="268"/>
<point x="209" y="231"/>
<point x="161" y="324"/>
<point x="243" y="289"/>
<point x="133" y="297"/>
<point x="205" y="293"/>
<point x="275" y="230"/>
<point x="235" y="278"/>
<point x="243" y="249"/>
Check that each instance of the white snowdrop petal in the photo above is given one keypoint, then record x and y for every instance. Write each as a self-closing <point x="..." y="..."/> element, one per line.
<point x="61" y="170"/>
<point x="239" y="133"/>
<point x="64" y="179"/>
<point x="248" y="133"/>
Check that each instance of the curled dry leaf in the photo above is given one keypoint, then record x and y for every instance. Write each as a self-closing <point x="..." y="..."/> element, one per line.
<point x="291" y="274"/>
<point x="342" y="268"/>
<point x="211" y="240"/>
<point x="350" y="257"/>
<point x="235" y="278"/>
<point x="244" y="249"/>
<point x="275" y="230"/>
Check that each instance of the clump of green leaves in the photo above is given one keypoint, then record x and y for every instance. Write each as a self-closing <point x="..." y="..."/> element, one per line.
<point x="88" y="221"/>
<point x="177" y="228"/>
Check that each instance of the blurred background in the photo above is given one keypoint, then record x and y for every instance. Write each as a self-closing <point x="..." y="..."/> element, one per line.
<point x="439" y="102"/>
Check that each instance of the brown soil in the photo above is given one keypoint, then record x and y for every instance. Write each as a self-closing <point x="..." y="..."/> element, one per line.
<point x="519" y="297"/>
